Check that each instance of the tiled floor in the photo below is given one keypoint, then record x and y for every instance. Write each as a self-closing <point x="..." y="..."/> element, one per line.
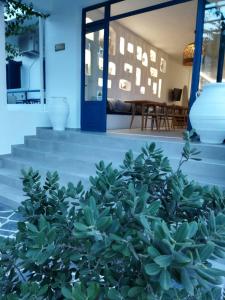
<point x="8" y="221"/>
<point x="174" y="134"/>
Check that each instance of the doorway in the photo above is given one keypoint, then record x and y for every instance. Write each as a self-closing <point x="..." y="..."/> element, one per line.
<point x="108" y="68"/>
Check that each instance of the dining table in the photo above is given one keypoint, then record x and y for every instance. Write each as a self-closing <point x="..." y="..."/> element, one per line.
<point x="144" y="105"/>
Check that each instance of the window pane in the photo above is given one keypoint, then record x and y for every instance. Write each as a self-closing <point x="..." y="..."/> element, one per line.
<point x="95" y="15"/>
<point x="131" y="5"/>
<point x="24" y="68"/>
<point x="94" y="67"/>
<point x="211" y="42"/>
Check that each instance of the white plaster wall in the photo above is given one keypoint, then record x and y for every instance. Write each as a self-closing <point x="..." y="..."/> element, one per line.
<point x="15" y="121"/>
<point x="63" y="69"/>
<point x="130" y="58"/>
<point x="17" y="125"/>
<point x="62" y="72"/>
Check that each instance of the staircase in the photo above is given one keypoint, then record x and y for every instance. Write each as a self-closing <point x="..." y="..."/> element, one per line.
<point x="74" y="154"/>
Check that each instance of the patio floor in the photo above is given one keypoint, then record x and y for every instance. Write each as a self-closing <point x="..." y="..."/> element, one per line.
<point x="173" y="134"/>
<point x="8" y="221"/>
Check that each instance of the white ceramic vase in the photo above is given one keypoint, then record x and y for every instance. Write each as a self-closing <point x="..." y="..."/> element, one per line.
<point x="207" y="114"/>
<point x="58" y="111"/>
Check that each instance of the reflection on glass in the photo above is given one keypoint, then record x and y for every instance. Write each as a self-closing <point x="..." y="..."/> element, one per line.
<point x="94" y="67"/>
<point x="90" y="36"/>
<point x="100" y="63"/>
<point x="24" y="68"/>
<point x="95" y="15"/>
<point x="211" y="41"/>
<point x="88" y="20"/>
<point x="131" y="5"/>
<point x="100" y="82"/>
<point x="112" y="41"/>
<point x="88" y="61"/>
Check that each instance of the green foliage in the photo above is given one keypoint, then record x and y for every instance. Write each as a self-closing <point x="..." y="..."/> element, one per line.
<point x="142" y="231"/>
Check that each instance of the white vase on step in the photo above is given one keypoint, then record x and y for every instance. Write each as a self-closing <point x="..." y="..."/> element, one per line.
<point x="207" y="114"/>
<point x="58" y="111"/>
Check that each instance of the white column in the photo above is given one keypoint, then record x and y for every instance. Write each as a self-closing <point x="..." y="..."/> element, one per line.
<point x="2" y="58"/>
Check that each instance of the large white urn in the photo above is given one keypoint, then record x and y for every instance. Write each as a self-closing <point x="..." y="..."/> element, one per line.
<point x="58" y="111"/>
<point x="207" y="114"/>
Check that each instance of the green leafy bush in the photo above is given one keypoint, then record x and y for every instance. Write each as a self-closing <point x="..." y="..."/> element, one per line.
<point x="141" y="231"/>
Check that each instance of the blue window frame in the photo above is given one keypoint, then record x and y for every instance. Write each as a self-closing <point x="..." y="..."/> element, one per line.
<point x="93" y="113"/>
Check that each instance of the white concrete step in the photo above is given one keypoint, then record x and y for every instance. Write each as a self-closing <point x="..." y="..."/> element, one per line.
<point x="17" y="164"/>
<point x="73" y="154"/>
<point x="113" y="141"/>
<point x="91" y="153"/>
<point x="65" y="163"/>
<point x="10" y="196"/>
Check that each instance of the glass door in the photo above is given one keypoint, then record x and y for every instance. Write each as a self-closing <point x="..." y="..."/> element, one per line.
<point x="212" y="68"/>
<point x="94" y="76"/>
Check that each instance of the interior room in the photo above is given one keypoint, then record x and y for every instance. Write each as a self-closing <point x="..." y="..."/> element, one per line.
<point x="150" y="58"/>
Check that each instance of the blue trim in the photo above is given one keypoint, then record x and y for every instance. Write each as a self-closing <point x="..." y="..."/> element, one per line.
<point x="220" y="66"/>
<point x="83" y="67"/>
<point x="148" y="9"/>
<point x="102" y="4"/>
<point x="106" y="64"/>
<point x="97" y="25"/>
<point x="93" y="113"/>
<point x="198" y="51"/>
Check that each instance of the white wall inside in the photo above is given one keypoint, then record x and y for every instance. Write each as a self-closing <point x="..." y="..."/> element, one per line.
<point x="178" y="76"/>
<point x="120" y="60"/>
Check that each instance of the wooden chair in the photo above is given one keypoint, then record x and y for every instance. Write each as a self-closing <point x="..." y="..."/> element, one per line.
<point x="177" y="116"/>
<point x="157" y="114"/>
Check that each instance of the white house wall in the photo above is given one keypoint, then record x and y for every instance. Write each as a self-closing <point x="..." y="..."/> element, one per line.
<point x="62" y="72"/>
<point x="63" y="68"/>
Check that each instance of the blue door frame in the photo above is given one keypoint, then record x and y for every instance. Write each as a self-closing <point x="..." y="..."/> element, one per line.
<point x="93" y="113"/>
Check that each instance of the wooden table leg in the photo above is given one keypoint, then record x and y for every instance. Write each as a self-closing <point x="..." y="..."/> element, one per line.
<point x="133" y="114"/>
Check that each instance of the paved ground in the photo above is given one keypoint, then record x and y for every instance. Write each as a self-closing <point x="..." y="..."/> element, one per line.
<point x="8" y="221"/>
